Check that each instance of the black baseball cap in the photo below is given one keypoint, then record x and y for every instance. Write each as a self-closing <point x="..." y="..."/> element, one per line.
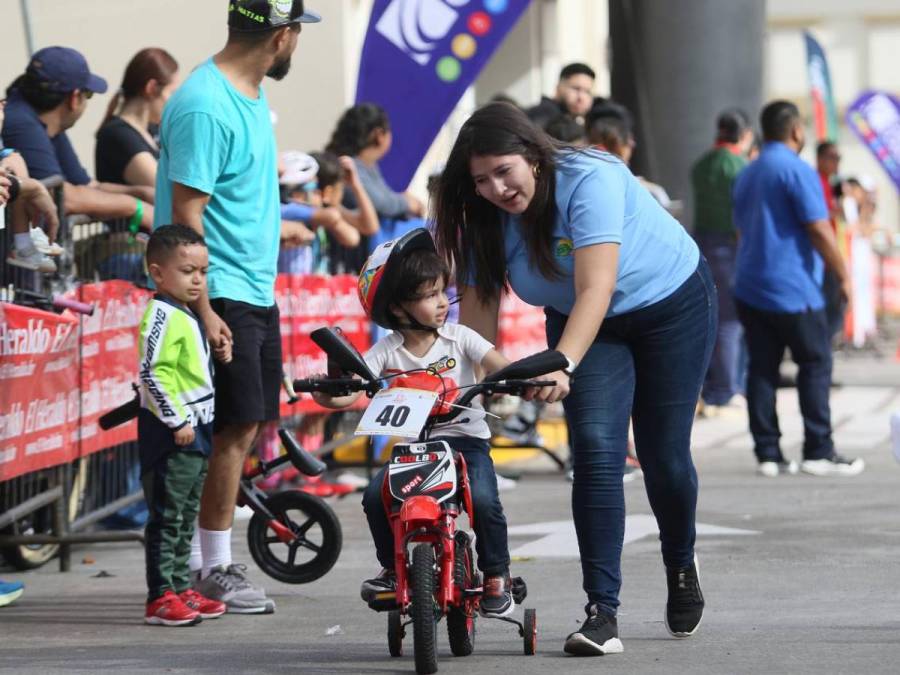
<point x="63" y="69"/>
<point x="258" y="15"/>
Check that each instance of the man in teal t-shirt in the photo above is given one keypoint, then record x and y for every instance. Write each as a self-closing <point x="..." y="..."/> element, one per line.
<point x="712" y="178"/>
<point x="218" y="174"/>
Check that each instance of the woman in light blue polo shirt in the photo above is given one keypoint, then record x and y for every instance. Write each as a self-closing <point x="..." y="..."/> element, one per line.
<point x="630" y="303"/>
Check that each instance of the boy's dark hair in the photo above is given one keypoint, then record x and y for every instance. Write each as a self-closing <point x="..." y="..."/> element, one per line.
<point x="577" y="69"/>
<point x="330" y="172"/>
<point x="566" y="128"/>
<point x="166" y="238"/>
<point x="419" y="267"/>
<point x="778" y="119"/>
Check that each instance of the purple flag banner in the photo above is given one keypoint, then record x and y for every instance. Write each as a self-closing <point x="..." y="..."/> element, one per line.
<point x="875" y="118"/>
<point x="418" y="58"/>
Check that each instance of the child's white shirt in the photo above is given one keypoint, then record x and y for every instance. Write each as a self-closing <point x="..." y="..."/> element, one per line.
<point x="454" y="354"/>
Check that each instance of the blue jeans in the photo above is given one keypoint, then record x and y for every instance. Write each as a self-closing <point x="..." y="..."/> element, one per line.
<point x="647" y="365"/>
<point x="724" y="378"/>
<point x="807" y="335"/>
<point x="490" y="523"/>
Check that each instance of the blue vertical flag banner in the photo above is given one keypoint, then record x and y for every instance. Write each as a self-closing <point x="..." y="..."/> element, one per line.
<point x="875" y="119"/>
<point x="418" y="59"/>
<point x="824" y="111"/>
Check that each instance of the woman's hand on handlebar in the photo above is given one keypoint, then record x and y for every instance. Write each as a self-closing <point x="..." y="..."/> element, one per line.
<point x="550" y="394"/>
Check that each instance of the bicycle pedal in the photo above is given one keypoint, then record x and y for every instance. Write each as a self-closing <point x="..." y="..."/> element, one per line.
<point x="383" y="602"/>
<point x="519" y="590"/>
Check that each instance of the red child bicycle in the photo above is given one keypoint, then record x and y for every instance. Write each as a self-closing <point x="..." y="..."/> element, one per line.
<point x="425" y="490"/>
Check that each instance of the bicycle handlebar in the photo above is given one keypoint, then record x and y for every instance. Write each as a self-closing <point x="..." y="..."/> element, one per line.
<point x="60" y="302"/>
<point x="120" y="415"/>
<point x="335" y="386"/>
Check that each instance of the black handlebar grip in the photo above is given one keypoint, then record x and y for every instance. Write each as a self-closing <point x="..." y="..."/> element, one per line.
<point x="120" y="415"/>
<point x="300" y="458"/>
<point x="307" y="384"/>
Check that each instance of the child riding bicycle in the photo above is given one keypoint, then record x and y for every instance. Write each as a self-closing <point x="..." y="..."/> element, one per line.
<point x="402" y="287"/>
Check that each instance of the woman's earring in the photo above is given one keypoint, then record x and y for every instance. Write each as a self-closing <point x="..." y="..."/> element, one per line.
<point x="536" y="170"/>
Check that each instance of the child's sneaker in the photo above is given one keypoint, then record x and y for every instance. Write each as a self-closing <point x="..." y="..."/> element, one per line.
<point x="169" y="610"/>
<point x="384" y="582"/>
<point x="208" y="609"/>
<point x="42" y="243"/>
<point x="496" y="598"/>
<point x="31" y="259"/>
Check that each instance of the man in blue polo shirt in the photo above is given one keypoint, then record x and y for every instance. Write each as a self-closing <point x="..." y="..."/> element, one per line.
<point x="785" y="237"/>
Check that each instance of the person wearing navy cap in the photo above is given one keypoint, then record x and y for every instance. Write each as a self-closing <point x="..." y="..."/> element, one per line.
<point x="217" y="174"/>
<point x="43" y="103"/>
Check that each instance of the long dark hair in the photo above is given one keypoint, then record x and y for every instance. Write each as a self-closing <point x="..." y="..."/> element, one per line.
<point x="468" y="228"/>
<point x="148" y="64"/>
<point x="354" y="129"/>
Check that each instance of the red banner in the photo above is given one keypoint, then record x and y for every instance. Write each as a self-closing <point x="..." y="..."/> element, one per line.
<point x="57" y="378"/>
<point x="307" y="302"/>
<point x="39" y="391"/>
<point x="109" y="358"/>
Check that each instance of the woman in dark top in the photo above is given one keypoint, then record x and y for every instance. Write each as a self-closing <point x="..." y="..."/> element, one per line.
<point x="127" y="152"/>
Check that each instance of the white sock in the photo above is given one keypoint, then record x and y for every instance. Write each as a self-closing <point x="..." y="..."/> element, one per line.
<point x="23" y="241"/>
<point x="195" y="563"/>
<point x="215" y="547"/>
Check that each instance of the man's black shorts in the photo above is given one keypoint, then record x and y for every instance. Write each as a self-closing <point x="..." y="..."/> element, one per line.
<point x="248" y="388"/>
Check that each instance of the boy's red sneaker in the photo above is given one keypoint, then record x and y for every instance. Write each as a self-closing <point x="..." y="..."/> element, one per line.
<point x="208" y="609"/>
<point x="169" y="610"/>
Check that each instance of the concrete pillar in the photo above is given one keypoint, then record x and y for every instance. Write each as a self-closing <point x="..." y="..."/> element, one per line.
<point x="675" y="66"/>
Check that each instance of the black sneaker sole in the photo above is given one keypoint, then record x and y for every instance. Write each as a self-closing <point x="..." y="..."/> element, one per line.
<point x="499" y="614"/>
<point x="579" y="645"/>
<point x="681" y="634"/>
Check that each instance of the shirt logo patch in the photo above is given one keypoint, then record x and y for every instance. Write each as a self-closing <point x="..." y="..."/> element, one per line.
<point x="564" y="248"/>
<point x="442" y="365"/>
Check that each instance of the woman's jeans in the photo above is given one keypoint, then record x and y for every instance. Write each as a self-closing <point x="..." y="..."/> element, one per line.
<point x="648" y="365"/>
<point x="489" y="521"/>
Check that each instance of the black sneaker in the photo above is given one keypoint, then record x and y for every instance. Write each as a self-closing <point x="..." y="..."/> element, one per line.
<point x="384" y="582"/>
<point x="598" y="635"/>
<point x="496" y="598"/>
<point x="684" y="609"/>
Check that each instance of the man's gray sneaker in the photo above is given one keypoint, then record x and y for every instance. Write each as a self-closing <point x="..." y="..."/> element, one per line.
<point x="231" y="586"/>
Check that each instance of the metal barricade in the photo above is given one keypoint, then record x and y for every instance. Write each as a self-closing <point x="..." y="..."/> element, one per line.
<point x="44" y="512"/>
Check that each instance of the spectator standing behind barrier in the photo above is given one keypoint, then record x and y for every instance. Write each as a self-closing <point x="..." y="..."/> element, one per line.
<point x="174" y="423"/>
<point x="218" y="175"/>
<point x="574" y="96"/>
<point x="712" y="178"/>
<point x="127" y="152"/>
<point x="49" y="98"/>
<point x="631" y="304"/>
<point x="784" y="236"/>
<point x="828" y="163"/>
<point x="364" y="133"/>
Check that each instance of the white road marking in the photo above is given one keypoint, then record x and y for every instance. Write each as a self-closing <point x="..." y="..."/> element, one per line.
<point x="559" y="541"/>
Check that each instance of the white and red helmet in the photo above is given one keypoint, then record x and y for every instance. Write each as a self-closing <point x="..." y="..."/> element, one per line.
<point x="379" y="277"/>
